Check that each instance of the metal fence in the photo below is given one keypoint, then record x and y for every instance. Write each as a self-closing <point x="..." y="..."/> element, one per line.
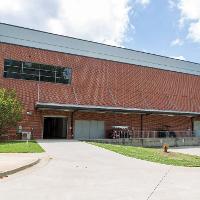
<point x="150" y="134"/>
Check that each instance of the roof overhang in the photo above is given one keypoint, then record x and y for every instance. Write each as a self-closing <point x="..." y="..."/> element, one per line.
<point x="75" y="107"/>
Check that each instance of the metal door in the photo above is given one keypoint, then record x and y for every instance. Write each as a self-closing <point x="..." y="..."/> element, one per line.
<point x="89" y="129"/>
<point x="197" y="128"/>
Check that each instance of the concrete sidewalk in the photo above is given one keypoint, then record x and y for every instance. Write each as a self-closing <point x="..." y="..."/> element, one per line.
<point x="187" y="150"/>
<point x="13" y="162"/>
<point x="82" y="171"/>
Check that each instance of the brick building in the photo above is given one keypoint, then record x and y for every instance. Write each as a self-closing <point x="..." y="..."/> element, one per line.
<point x="72" y="88"/>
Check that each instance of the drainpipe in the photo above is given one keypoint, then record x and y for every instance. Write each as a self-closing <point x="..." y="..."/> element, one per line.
<point x="141" y="125"/>
<point x="72" y="123"/>
<point x="141" y="128"/>
<point x="192" y="124"/>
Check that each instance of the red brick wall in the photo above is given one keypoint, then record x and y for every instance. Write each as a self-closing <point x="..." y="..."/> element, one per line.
<point x="179" y="124"/>
<point x="105" y="83"/>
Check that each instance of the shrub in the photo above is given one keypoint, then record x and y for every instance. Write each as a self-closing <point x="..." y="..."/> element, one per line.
<point x="10" y="110"/>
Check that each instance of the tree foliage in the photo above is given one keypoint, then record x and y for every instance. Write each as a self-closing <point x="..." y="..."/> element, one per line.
<point x="10" y="110"/>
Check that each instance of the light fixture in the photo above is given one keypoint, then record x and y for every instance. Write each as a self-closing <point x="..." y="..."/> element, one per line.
<point x="29" y="113"/>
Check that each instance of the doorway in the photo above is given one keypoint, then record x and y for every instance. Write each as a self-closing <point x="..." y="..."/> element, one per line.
<point x="197" y="128"/>
<point x="89" y="129"/>
<point x="55" y="128"/>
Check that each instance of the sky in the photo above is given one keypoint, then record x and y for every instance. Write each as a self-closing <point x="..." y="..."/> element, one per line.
<point x="164" y="27"/>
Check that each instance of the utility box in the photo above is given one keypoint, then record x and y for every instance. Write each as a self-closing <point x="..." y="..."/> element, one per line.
<point x="26" y="135"/>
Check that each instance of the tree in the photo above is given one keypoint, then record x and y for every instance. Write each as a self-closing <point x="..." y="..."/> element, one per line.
<point x="10" y="110"/>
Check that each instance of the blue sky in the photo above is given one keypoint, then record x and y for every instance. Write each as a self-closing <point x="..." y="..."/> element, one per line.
<point x="165" y="27"/>
<point x="156" y="27"/>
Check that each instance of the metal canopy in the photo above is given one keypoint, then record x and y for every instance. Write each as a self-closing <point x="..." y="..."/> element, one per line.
<point x="75" y="107"/>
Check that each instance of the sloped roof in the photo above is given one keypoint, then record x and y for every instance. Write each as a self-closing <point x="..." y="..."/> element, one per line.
<point x="48" y="41"/>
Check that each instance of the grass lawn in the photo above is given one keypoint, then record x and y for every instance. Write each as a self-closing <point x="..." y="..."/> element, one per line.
<point x="20" y="147"/>
<point x="153" y="155"/>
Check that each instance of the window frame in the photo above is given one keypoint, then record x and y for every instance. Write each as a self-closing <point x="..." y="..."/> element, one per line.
<point x="37" y="72"/>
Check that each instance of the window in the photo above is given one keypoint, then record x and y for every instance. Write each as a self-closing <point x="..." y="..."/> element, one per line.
<point x="37" y="72"/>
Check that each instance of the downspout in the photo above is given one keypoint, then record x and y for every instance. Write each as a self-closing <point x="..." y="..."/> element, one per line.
<point x="38" y="88"/>
<point x="141" y="126"/>
<point x="72" y="124"/>
<point x="192" y="126"/>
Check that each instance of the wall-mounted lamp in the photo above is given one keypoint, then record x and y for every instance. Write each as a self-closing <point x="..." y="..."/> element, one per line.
<point x="29" y="113"/>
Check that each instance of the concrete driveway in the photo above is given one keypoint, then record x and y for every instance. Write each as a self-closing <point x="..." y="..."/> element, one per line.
<point x="80" y="171"/>
<point x="195" y="150"/>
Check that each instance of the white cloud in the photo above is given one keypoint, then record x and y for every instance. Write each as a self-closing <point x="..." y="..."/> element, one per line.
<point x="177" y="42"/>
<point x="172" y="3"/>
<point x="190" y="13"/>
<point x="179" y="57"/>
<point x="143" y="2"/>
<point x="104" y="21"/>
<point x="194" y="31"/>
<point x="189" y="9"/>
<point x="12" y="6"/>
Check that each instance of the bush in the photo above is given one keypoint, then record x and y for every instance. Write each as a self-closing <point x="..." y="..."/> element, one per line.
<point x="10" y="110"/>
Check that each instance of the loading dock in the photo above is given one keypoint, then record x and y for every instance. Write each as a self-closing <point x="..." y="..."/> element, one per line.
<point x="89" y="129"/>
<point x="55" y="128"/>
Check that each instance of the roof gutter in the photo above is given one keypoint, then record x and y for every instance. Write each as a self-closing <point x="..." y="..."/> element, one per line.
<point x="72" y="107"/>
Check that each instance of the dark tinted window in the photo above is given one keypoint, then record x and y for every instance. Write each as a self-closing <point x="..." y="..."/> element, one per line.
<point x="38" y="72"/>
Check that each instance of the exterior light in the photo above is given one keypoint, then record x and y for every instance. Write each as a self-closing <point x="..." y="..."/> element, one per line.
<point x="29" y="113"/>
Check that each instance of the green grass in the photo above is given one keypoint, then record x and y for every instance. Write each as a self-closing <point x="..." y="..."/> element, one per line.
<point x="20" y="147"/>
<point x="153" y="155"/>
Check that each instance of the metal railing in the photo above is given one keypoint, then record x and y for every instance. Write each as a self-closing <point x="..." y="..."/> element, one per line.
<point x="151" y="134"/>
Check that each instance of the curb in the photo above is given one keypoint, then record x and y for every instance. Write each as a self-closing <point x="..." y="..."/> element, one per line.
<point x="13" y="171"/>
